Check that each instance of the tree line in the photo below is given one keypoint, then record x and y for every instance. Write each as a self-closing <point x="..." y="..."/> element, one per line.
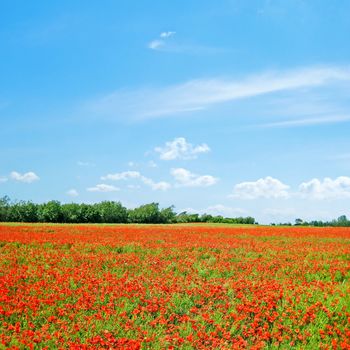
<point x="341" y="221"/>
<point x="103" y="212"/>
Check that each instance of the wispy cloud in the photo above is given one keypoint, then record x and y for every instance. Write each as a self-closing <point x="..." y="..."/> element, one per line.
<point x="179" y="148"/>
<point x="72" y="193"/>
<point x="129" y="175"/>
<point x="167" y="34"/>
<point x="156" y="44"/>
<point x="199" y="94"/>
<point x="3" y="179"/>
<point x="161" y="41"/>
<point x="308" y="121"/>
<point x="125" y="175"/>
<point x="28" y="177"/>
<point x="166" y="42"/>
<point x="103" y="188"/>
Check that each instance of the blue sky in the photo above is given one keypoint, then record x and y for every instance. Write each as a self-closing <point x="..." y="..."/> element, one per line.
<point x="226" y="107"/>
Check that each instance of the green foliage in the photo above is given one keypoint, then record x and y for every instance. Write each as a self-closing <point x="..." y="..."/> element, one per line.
<point x="103" y="212"/>
<point x="50" y="212"/>
<point x="4" y="208"/>
<point x="111" y="212"/>
<point x="150" y="214"/>
<point x="342" y="221"/>
<point x="18" y="212"/>
<point x="115" y="212"/>
<point x="185" y="217"/>
<point x="168" y="215"/>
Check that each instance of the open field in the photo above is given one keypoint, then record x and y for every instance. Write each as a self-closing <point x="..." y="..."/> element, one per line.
<point x="175" y="287"/>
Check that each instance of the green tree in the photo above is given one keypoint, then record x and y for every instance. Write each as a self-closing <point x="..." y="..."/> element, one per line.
<point x="147" y="214"/>
<point x="167" y="215"/>
<point x="111" y="212"/>
<point x="71" y="213"/>
<point x="4" y="208"/>
<point x="50" y="212"/>
<point x="298" y="222"/>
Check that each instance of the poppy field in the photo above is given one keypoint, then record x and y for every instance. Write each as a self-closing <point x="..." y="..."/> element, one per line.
<point x="174" y="287"/>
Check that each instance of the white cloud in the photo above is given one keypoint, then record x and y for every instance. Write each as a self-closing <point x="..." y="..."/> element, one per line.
<point x="160" y="43"/>
<point x="103" y="188"/>
<point x="28" y="177"/>
<point x="128" y="175"/>
<point x="3" y="179"/>
<point x="326" y="188"/>
<point x="125" y="175"/>
<point x="200" y="94"/>
<point x="72" y="193"/>
<point x="167" y="34"/>
<point x="179" y="148"/>
<point x="162" y="185"/>
<point x="156" y="44"/>
<point x="149" y="164"/>
<point x="185" y="178"/>
<point x="165" y="44"/>
<point x="267" y="187"/>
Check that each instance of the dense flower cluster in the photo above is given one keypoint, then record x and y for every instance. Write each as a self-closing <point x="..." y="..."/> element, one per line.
<point x="174" y="287"/>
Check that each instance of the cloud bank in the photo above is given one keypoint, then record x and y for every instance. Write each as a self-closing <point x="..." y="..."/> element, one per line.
<point x="271" y="188"/>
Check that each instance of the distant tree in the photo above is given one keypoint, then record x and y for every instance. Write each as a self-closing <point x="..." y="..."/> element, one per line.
<point x="342" y="221"/>
<point x="250" y="220"/>
<point x="167" y="215"/>
<point x="298" y="222"/>
<point x="71" y="213"/>
<point x="28" y="212"/>
<point x="218" y="219"/>
<point x="147" y="213"/>
<point x="105" y="212"/>
<point x="50" y="212"/>
<point x="206" y="218"/>
<point x="111" y="212"/>
<point x="182" y="217"/>
<point x="91" y="213"/>
<point x="4" y="208"/>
